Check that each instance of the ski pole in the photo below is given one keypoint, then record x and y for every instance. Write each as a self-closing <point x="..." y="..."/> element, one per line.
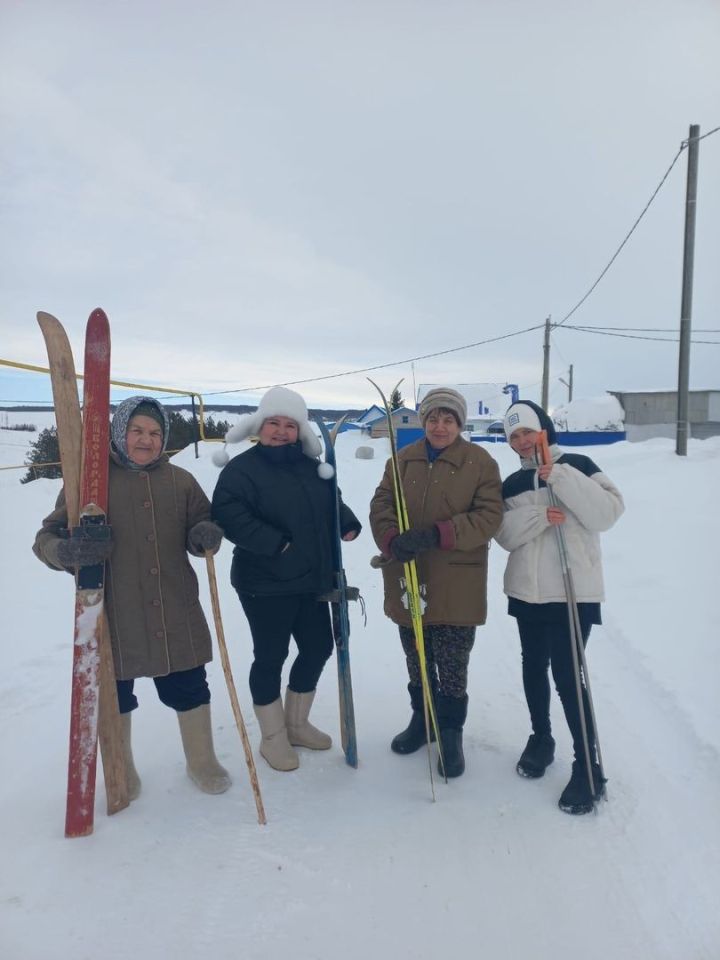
<point x="222" y="647"/>
<point x="582" y="678"/>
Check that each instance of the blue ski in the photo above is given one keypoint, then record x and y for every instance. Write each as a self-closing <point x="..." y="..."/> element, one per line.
<point x="340" y="618"/>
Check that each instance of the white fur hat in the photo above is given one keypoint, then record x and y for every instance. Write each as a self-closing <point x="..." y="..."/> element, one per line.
<point x="277" y="402"/>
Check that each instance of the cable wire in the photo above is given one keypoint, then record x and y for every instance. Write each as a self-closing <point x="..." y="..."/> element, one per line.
<point x="627" y="237"/>
<point x="586" y="326"/>
<point x="634" y="336"/>
<point x="379" y="366"/>
<point x="698" y="139"/>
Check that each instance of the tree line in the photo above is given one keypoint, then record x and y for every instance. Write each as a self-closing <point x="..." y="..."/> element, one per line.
<point x="44" y="455"/>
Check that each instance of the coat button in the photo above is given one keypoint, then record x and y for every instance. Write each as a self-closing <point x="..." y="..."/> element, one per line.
<point x="147" y="503"/>
<point x="156" y="603"/>
<point x="153" y="570"/>
<point x="151" y="537"/>
<point x="159" y="634"/>
<point x="142" y="473"/>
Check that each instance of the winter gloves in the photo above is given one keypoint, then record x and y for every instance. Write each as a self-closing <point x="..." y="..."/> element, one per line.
<point x="73" y="553"/>
<point x="205" y="536"/>
<point x="405" y="546"/>
<point x="82" y="552"/>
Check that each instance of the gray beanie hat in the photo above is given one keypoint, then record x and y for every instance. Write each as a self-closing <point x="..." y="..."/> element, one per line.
<point x="447" y="399"/>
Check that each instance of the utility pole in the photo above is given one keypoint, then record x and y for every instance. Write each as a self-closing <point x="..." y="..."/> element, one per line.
<point x="687" y="285"/>
<point x="568" y="383"/>
<point x="546" y="366"/>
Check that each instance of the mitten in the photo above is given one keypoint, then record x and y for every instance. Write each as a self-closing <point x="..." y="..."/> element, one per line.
<point x="81" y="552"/>
<point x="407" y="545"/>
<point x="205" y="536"/>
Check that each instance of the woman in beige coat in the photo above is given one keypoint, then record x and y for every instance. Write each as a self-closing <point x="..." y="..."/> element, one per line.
<point x="157" y="513"/>
<point x="453" y="494"/>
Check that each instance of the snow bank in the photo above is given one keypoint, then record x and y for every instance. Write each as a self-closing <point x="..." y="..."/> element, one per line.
<point x="589" y="414"/>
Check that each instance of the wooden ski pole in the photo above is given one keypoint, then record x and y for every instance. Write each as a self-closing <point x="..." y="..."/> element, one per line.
<point x="225" y="660"/>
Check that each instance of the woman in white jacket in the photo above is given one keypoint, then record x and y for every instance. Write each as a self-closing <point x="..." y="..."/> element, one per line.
<point x="588" y="503"/>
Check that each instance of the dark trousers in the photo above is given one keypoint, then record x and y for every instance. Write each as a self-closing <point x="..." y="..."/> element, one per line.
<point x="547" y="644"/>
<point x="273" y="621"/>
<point x="182" y="690"/>
<point x="447" y="654"/>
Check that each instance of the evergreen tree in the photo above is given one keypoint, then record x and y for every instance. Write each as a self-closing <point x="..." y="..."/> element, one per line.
<point x="183" y="430"/>
<point x="396" y="400"/>
<point x="45" y="449"/>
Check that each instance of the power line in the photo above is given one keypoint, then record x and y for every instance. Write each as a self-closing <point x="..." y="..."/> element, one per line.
<point x="588" y="327"/>
<point x="379" y="366"/>
<point x="708" y="134"/>
<point x="633" y="336"/>
<point x="683" y="146"/>
<point x="627" y="237"/>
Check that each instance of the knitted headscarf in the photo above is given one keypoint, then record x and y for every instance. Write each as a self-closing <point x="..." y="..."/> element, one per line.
<point x="125" y="411"/>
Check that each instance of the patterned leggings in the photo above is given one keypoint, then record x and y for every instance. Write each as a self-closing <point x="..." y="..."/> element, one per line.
<point x="447" y="652"/>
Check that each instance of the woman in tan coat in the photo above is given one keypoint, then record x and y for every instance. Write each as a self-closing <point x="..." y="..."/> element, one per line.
<point x="453" y="493"/>
<point x="157" y="513"/>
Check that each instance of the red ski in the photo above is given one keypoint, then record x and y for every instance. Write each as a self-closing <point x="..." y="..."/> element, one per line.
<point x="89" y="596"/>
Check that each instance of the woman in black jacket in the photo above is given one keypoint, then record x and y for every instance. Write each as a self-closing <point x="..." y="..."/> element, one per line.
<point x="273" y="502"/>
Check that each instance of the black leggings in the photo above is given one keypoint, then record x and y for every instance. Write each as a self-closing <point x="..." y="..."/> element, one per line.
<point x="547" y="644"/>
<point x="273" y="620"/>
<point x="182" y="690"/>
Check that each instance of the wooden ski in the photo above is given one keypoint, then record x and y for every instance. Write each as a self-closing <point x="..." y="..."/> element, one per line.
<point x="70" y="437"/>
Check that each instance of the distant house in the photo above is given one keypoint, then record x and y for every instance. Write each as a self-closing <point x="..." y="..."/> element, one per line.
<point x="486" y="402"/>
<point x="372" y="413"/>
<point x="653" y="413"/>
<point x="403" y="419"/>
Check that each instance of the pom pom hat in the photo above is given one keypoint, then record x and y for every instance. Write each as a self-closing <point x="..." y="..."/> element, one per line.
<point x="277" y="402"/>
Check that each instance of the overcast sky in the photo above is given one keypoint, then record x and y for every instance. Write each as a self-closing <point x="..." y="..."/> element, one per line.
<point x="263" y="192"/>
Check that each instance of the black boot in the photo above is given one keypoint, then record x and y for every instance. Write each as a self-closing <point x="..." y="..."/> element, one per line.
<point x="451" y="714"/>
<point x="577" y="797"/>
<point x="452" y="761"/>
<point x="537" y="756"/>
<point x="413" y="736"/>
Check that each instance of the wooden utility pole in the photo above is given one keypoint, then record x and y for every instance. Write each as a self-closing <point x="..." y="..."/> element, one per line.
<point x="687" y="289"/>
<point x="546" y="366"/>
<point x="568" y="383"/>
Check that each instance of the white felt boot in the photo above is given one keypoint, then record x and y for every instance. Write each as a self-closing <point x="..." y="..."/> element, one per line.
<point x="202" y="765"/>
<point x="300" y="732"/>
<point x="275" y="746"/>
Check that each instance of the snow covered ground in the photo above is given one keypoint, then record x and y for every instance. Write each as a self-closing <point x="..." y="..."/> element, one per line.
<point x="359" y="864"/>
